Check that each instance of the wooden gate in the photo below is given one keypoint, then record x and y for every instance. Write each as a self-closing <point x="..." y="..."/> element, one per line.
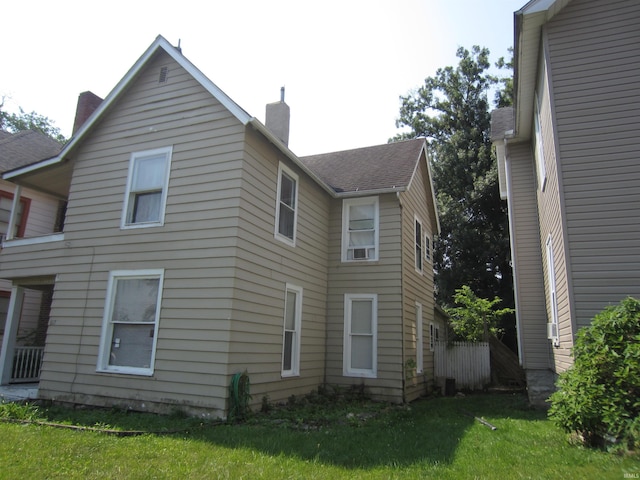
<point x="469" y="363"/>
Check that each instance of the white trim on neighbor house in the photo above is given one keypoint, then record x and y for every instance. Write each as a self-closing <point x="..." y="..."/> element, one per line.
<point x="291" y="206"/>
<point x="354" y="250"/>
<point x="366" y="336"/>
<point x="108" y="343"/>
<point x="552" y="327"/>
<point x="133" y="193"/>
<point x="419" y="339"/>
<point x="292" y="325"/>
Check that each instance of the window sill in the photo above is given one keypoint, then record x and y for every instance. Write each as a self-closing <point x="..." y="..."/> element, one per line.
<point x="19" y="242"/>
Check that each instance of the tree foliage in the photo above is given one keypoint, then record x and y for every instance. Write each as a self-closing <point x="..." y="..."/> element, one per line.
<point x="599" y="395"/>
<point x="452" y="111"/>
<point x="13" y="123"/>
<point x="474" y="318"/>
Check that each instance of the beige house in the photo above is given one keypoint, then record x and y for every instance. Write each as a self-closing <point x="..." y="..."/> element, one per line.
<point x="196" y="245"/>
<point x="569" y="170"/>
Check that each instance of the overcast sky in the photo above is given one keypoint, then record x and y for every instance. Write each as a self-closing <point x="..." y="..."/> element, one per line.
<point x="344" y="63"/>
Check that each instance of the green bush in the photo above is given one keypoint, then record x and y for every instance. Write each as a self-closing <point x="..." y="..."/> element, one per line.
<point x="599" y="396"/>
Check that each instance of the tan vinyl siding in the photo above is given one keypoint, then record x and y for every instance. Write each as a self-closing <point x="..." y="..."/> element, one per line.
<point x="195" y="246"/>
<point x="593" y="51"/>
<point x="382" y="277"/>
<point x="552" y="226"/>
<point x="525" y="251"/>
<point x="265" y="265"/>
<point x="417" y="202"/>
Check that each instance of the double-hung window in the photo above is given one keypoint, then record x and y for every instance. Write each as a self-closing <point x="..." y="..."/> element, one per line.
<point x="147" y="185"/>
<point x="291" y="334"/>
<point x="286" y="205"/>
<point x="360" y="335"/>
<point x="130" y="323"/>
<point x="360" y="229"/>
<point x="418" y="245"/>
<point x="539" y="153"/>
<point x="427" y="247"/>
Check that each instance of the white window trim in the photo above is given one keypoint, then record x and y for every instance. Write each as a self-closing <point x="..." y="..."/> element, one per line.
<point x="282" y="168"/>
<point x="419" y="339"/>
<point x="107" y="325"/>
<point x="421" y="257"/>
<point x="346" y="203"/>
<point x="428" y="248"/>
<point x="539" y="154"/>
<point x="552" y="328"/>
<point x="124" y="223"/>
<point x="347" y="370"/>
<point x="295" y="348"/>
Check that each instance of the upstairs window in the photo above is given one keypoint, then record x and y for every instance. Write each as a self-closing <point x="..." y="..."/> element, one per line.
<point x="418" y="245"/>
<point x="6" y="204"/>
<point x="287" y="205"/>
<point x="427" y="248"/>
<point x="360" y="229"/>
<point x="539" y="154"/>
<point x="147" y="185"/>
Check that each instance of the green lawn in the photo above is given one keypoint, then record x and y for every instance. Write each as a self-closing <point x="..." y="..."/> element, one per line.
<point x="432" y="438"/>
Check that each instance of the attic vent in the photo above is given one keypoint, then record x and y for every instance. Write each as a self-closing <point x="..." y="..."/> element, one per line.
<point x="163" y="75"/>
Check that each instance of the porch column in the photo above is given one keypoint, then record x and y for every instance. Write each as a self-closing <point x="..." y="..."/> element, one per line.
<point x="13" y="217"/>
<point x="10" y="334"/>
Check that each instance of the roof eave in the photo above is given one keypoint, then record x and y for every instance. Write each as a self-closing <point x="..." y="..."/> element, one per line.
<point x="260" y="127"/>
<point x="528" y="23"/>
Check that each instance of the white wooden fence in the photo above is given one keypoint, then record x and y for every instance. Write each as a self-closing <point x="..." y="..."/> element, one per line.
<point x="468" y="363"/>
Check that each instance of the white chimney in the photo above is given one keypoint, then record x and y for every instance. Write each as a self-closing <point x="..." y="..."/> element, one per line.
<point x="277" y="118"/>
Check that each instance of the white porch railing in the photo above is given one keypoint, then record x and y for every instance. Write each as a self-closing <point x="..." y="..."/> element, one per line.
<point x="26" y="364"/>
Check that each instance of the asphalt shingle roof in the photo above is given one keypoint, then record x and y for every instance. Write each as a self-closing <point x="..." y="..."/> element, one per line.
<point x="23" y="148"/>
<point x="370" y="168"/>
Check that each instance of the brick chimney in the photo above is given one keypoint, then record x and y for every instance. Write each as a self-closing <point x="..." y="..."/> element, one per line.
<point x="87" y="104"/>
<point x="277" y="118"/>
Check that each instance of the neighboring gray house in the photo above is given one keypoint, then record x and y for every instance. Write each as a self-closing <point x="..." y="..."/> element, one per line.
<point x="33" y="214"/>
<point x="196" y="245"/>
<point x="569" y="169"/>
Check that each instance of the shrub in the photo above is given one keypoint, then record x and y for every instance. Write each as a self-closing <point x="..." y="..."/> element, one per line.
<point x="599" y="396"/>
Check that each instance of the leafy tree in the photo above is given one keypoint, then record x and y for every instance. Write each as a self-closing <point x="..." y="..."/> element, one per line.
<point x="452" y="111"/>
<point x="475" y="318"/>
<point x="14" y="123"/>
<point x="599" y="396"/>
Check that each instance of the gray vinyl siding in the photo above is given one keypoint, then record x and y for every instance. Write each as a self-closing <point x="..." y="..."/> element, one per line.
<point x="382" y="277"/>
<point x="265" y="265"/>
<point x="417" y="202"/>
<point x="552" y="226"/>
<point x="594" y="60"/>
<point x="528" y="273"/>
<point x="196" y="247"/>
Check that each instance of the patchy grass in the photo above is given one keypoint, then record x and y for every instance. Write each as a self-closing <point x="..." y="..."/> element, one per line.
<point x="311" y="438"/>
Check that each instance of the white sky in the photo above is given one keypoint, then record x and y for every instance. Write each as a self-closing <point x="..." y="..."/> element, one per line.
<point x="344" y="63"/>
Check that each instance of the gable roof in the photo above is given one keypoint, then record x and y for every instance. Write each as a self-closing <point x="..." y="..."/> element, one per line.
<point x="175" y="53"/>
<point x="26" y="147"/>
<point x="387" y="167"/>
